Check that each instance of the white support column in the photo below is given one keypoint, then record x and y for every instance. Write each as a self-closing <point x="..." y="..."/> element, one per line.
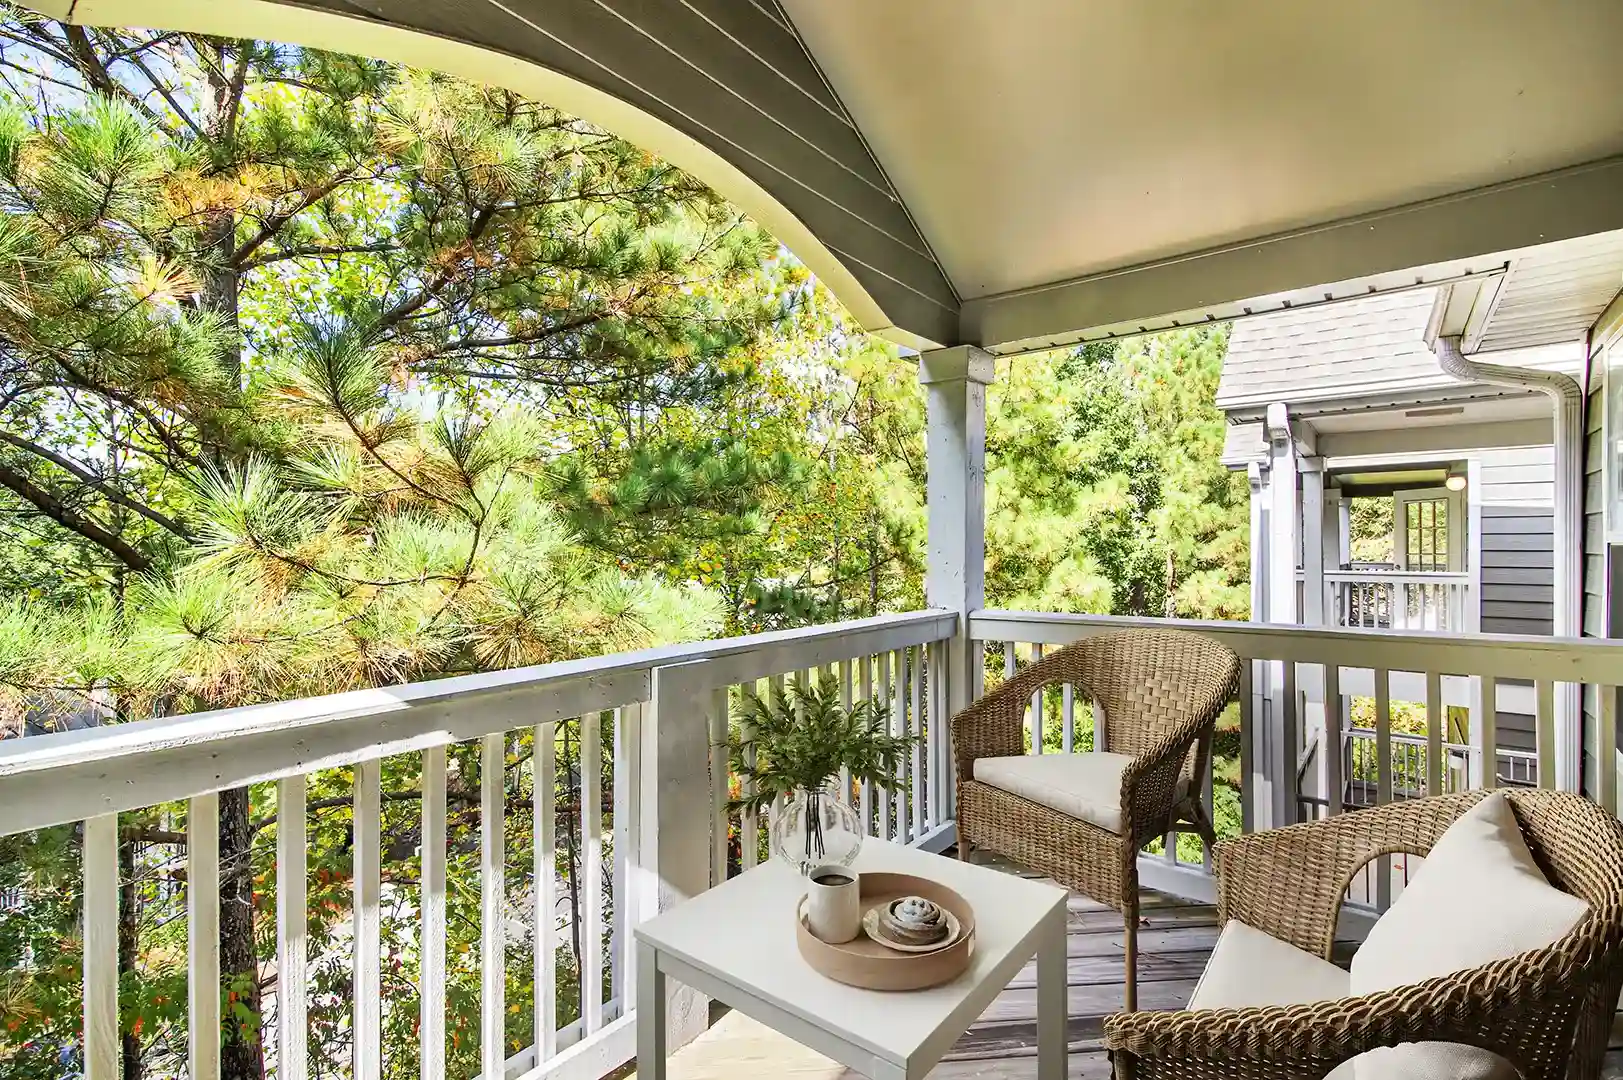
<point x="1284" y="547"/>
<point x="673" y="835"/>
<point x="1473" y="617"/>
<point x="1315" y="716"/>
<point x="1313" y="606"/>
<point x="955" y="382"/>
<point x="1284" y="551"/>
<point x="1257" y="796"/>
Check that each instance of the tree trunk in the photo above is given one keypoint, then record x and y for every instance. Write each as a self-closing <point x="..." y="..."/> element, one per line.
<point x="128" y="947"/>
<point x="242" y="1051"/>
<point x="873" y="565"/>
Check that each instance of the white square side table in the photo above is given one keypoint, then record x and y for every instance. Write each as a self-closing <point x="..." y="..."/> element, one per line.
<point x="736" y="943"/>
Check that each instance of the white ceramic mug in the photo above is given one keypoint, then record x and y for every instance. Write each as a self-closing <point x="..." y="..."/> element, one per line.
<point x="833" y="904"/>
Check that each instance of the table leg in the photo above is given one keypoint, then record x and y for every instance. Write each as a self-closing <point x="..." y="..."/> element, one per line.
<point x="650" y="1014"/>
<point x="1052" y="1001"/>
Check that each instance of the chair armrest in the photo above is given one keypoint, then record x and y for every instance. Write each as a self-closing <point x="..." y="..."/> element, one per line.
<point x="1289" y="882"/>
<point x="1503" y="1007"/>
<point x="992" y="726"/>
<point x="1149" y="784"/>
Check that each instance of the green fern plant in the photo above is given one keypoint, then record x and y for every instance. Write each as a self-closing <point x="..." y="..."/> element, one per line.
<point x="798" y="736"/>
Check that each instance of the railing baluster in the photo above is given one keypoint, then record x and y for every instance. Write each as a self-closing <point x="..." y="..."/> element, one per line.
<point x="1436" y="720"/>
<point x="492" y="889"/>
<point x="591" y="835"/>
<point x="1249" y="789"/>
<point x="100" y="870"/>
<point x="1010" y="664"/>
<point x="749" y="828"/>
<point x="1330" y="747"/>
<point x="1544" y="730"/>
<point x="1207" y="782"/>
<point x="845" y="703"/>
<point x="1606" y="746"/>
<point x="203" y="937"/>
<point x="366" y="956"/>
<point x="1488" y="766"/>
<point x="620" y="820"/>
<point x="721" y="780"/>
<point x="940" y="734"/>
<point x="900" y="725"/>
<point x="865" y="798"/>
<point x="915" y="687"/>
<point x="1067" y="718"/>
<point x="1037" y="705"/>
<point x="1383" y="777"/>
<point x="885" y="826"/>
<point x="291" y="930"/>
<point x="1291" y="743"/>
<point x="431" y="977"/>
<point x="544" y="887"/>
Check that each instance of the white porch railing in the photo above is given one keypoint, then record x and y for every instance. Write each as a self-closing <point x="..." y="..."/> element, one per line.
<point x="1289" y="758"/>
<point x="620" y="712"/>
<point x="651" y="824"/>
<point x="1432" y="601"/>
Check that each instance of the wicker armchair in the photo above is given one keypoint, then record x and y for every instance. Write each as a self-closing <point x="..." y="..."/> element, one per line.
<point x="1160" y="692"/>
<point x="1547" y="1011"/>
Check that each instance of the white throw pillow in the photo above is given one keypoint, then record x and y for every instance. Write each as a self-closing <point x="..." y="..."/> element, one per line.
<point x="1479" y="897"/>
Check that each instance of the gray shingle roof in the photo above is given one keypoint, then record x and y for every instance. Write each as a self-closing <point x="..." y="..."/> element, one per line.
<point x="1360" y="347"/>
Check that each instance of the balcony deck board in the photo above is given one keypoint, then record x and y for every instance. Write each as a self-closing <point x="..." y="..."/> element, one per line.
<point x="1175" y="939"/>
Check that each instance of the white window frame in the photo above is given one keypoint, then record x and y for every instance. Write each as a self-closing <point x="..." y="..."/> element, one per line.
<point x="1455" y="530"/>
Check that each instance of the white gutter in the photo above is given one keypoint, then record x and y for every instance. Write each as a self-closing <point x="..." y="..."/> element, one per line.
<point x="1567" y="402"/>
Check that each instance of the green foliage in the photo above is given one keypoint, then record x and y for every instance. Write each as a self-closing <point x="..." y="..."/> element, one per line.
<point x="1105" y="488"/>
<point x="1370" y="525"/>
<point x="799" y="735"/>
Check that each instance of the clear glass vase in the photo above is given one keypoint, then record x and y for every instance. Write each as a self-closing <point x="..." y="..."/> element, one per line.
<point x="814" y="827"/>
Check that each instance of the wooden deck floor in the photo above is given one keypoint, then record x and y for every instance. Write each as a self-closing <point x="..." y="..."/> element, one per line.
<point x="1175" y="938"/>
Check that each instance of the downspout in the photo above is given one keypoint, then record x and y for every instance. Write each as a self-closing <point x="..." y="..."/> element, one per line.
<point x="1567" y="402"/>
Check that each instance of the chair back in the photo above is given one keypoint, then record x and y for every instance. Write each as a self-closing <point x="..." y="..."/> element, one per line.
<point x="1149" y="683"/>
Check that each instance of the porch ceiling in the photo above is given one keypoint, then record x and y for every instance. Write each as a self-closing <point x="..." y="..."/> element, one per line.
<point x="1019" y="177"/>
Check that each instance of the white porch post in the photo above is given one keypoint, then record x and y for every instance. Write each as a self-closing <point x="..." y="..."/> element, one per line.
<point x="1279" y="733"/>
<point x="955" y="382"/>
<point x="1313" y="546"/>
<point x="672" y="857"/>
<point x="1317" y="710"/>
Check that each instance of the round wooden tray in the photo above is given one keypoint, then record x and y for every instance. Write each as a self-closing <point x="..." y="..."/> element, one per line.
<point x="866" y="963"/>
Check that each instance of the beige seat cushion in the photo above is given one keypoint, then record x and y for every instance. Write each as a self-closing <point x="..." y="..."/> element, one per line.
<point x="1479" y="897"/>
<point x="1084" y="786"/>
<point x="1248" y="968"/>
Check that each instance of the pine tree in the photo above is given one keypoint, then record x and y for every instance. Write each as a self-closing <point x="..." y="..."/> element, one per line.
<point x="274" y="330"/>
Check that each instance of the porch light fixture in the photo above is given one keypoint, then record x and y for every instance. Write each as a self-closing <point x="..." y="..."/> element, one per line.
<point x="1455" y="482"/>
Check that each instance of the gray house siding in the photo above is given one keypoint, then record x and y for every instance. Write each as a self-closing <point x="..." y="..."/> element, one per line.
<point x="1518" y="559"/>
<point x="1518" y="540"/>
<point x="1597" y="620"/>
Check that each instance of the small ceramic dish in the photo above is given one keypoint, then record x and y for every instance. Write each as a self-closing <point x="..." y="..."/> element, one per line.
<point x="870" y="926"/>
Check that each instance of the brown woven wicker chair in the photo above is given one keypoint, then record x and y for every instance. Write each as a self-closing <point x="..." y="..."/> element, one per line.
<point x="1548" y="1011"/>
<point x="1161" y="692"/>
